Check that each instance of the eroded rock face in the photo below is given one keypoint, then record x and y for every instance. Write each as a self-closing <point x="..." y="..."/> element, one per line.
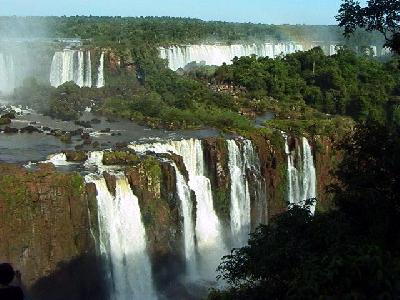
<point x="154" y="183"/>
<point x="216" y="162"/>
<point x="45" y="231"/>
<point x="327" y="159"/>
<point x="121" y="158"/>
<point x="76" y="156"/>
<point x="273" y="165"/>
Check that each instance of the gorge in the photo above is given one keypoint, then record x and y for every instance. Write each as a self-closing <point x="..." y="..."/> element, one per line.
<point x="167" y="211"/>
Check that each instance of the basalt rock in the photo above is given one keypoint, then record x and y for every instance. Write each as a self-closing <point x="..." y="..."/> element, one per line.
<point x="76" y="156"/>
<point x="154" y="184"/>
<point x="8" y="129"/>
<point x="273" y="164"/>
<point x="111" y="182"/>
<point x="121" y="158"/>
<point x="45" y="229"/>
<point x="5" y="121"/>
<point x="216" y="158"/>
<point x="30" y="129"/>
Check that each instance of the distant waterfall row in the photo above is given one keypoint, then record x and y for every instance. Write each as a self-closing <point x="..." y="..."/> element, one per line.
<point x="7" y="74"/>
<point x="180" y="56"/>
<point x="75" y="65"/>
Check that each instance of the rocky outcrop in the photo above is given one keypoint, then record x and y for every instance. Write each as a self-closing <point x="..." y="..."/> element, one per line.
<point x="270" y="150"/>
<point x="46" y="224"/>
<point x="154" y="183"/>
<point x="216" y="163"/>
<point x="327" y="159"/>
<point x="121" y="158"/>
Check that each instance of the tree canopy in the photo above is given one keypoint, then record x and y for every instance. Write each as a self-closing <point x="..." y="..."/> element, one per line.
<point x="378" y="15"/>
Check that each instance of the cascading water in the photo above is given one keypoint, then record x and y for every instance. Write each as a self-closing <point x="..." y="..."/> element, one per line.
<point x="100" y="72"/>
<point x="123" y="241"/>
<point x="240" y="196"/>
<point x="208" y="230"/>
<point x="88" y="71"/>
<point x="302" y="179"/>
<point x="71" y="65"/>
<point x="7" y="74"/>
<point x="179" y="57"/>
<point x="188" y="226"/>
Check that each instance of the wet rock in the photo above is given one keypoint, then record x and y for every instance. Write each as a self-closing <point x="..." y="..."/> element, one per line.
<point x="107" y="130"/>
<point x="10" y="115"/>
<point x="121" y="146"/>
<point x="85" y="124"/>
<point x="77" y="132"/>
<point x="76" y="156"/>
<point x="8" y="129"/>
<point x="121" y="158"/>
<point x="111" y="182"/>
<point x="5" y="121"/>
<point x="85" y="136"/>
<point x="95" y="121"/>
<point x="30" y="129"/>
<point x="66" y="138"/>
<point x="96" y="144"/>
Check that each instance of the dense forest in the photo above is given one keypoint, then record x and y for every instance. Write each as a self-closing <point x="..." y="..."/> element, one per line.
<point x="118" y="31"/>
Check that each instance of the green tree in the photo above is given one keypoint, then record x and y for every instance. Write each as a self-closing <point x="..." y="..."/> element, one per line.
<point x="378" y="15"/>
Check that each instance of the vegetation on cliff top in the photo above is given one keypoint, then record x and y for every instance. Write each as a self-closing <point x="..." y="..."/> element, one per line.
<point x="352" y="251"/>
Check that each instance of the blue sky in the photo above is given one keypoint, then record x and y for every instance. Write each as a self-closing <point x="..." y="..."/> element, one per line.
<point x="256" y="11"/>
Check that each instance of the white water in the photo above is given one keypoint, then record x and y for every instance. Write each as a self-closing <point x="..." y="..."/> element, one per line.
<point x="123" y="242"/>
<point x="100" y="72"/>
<point x="240" y="196"/>
<point x="71" y="65"/>
<point x="301" y="178"/>
<point x="188" y="226"/>
<point x="208" y="231"/>
<point x="7" y="74"/>
<point x="180" y="56"/>
<point x="88" y="70"/>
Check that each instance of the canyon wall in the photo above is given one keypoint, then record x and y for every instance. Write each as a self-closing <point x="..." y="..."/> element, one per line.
<point x="152" y="219"/>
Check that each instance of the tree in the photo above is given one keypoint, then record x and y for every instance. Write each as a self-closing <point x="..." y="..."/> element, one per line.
<point x="378" y="15"/>
<point x="351" y="252"/>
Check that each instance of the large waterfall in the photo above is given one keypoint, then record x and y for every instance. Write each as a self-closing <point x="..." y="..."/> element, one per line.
<point x="180" y="56"/>
<point x="208" y="231"/>
<point x="123" y="242"/>
<point x="71" y="65"/>
<point x="7" y="74"/>
<point x="301" y="172"/>
<point x="240" y="195"/>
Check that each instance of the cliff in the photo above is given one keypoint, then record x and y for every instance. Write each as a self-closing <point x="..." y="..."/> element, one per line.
<point x="45" y="224"/>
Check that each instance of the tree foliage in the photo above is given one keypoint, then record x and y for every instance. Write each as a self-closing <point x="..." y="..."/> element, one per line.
<point x="378" y="15"/>
<point x="352" y="252"/>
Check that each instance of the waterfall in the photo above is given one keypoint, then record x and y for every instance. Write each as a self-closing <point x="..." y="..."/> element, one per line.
<point x="188" y="226"/>
<point x="7" y="74"/>
<point x="88" y="71"/>
<point x="71" y="65"/>
<point x="123" y="242"/>
<point x="302" y="179"/>
<point x="208" y="231"/>
<point x="240" y="196"/>
<point x="180" y="56"/>
<point x="309" y="180"/>
<point x="100" y="72"/>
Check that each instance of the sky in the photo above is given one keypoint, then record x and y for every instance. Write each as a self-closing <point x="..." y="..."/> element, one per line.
<point x="315" y="12"/>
